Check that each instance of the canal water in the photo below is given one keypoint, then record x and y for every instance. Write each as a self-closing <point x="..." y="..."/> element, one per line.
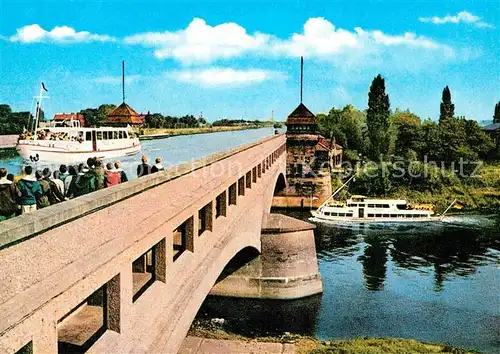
<point x="173" y="151"/>
<point x="433" y="282"/>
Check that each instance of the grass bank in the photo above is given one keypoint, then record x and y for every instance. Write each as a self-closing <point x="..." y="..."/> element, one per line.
<point x="479" y="193"/>
<point x="202" y="130"/>
<point x="306" y="344"/>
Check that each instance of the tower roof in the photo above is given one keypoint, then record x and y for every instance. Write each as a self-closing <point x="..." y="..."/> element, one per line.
<point x="301" y="115"/>
<point x="124" y="114"/>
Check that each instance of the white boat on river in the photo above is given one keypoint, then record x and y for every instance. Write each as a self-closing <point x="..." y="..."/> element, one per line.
<point x="362" y="209"/>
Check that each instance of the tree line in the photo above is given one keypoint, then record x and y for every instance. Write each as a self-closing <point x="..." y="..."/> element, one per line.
<point x="380" y="134"/>
<point x="14" y="122"/>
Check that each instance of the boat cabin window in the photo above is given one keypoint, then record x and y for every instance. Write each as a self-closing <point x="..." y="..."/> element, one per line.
<point x="371" y="205"/>
<point x="105" y="135"/>
<point x="99" y="135"/>
<point x="120" y="134"/>
<point x="361" y="205"/>
<point x="352" y="205"/>
<point x="394" y="215"/>
<point x="88" y="136"/>
<point x="409" y="215"/>
<point x="371" y="215"/>
<point x="378" y="215"/>
<point x="327" y="213"/>
<point x="386" y="215"/>
<point x="341" y="214"/>
<point x="349" y="215"/>
<point x="115" y="135"/>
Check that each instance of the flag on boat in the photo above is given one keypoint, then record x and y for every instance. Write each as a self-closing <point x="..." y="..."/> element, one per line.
<point x="43" y="86"/>
<point x="457" y="205"/>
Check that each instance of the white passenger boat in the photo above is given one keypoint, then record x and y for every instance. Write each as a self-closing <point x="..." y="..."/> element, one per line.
<point x="362" y="209"/>
<point x="68" y="142"/>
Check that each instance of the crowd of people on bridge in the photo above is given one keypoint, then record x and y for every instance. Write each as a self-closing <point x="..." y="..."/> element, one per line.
<point x="38" y="189"/>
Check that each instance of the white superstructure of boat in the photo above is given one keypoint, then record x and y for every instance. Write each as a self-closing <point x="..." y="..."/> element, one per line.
<point x="362" y="209"/>
<point x="68" y="142"/>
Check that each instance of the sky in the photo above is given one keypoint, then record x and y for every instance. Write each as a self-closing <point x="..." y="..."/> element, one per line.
<point x="241" y="59"/>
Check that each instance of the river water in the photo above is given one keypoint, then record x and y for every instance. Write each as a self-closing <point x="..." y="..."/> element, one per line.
<point x="433" y="282"/>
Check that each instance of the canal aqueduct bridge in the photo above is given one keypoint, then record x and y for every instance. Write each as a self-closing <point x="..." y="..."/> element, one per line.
<point x="125" y="269"/>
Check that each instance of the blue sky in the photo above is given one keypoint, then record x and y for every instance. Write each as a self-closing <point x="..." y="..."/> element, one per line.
<point x="240" y="59"/>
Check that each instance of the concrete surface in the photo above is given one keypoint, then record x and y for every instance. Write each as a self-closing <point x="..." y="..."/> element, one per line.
<point x="194" y="345"/>
<point x="286" y="269"/>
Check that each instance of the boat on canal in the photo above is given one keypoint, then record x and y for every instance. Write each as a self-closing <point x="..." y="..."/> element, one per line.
<point x="69" y="142"/>
<point x="361" y="209"/>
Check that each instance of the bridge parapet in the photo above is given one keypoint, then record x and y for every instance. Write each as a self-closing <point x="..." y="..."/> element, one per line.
<point x="138" y="258"/>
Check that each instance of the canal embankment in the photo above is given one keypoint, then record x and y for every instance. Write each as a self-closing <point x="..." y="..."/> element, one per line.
<point x="8" y="141"/>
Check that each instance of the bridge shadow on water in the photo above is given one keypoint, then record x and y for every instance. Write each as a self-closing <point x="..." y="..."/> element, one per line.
<point x="258" y="318"/>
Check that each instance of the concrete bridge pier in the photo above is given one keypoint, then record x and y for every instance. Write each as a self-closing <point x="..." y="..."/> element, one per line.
<point x="286" y="269"/>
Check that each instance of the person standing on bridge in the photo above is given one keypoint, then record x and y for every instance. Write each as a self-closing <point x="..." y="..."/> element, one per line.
<point x="123" y="175"/>
<point x="112" y="176"/>
<point x="99" y="173"/>
<point x="8" y="197"/>
<point x="143" y="169"/>
<point x="30" y="190"/>
<point x="157" y="166"/>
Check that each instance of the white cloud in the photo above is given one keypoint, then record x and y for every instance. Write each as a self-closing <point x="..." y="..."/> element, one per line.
<point x="321" y="39"/>
<point x="117" y="79"/>
<point x="200" y="42"/>
<point x="461" y="17"/>
<point x="224" y="76"/>
<point x="59" y="34"/>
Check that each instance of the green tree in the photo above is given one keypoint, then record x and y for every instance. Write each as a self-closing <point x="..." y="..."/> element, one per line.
<point x="496" y="116"/>
<point x="91" y="116"/>
<point x="408" y="130"/>
<point x="377" y="118"/>
<point x="477" y="140"/>
<point x="351" y="120"/>
<point x="13" y="122"/>
<point x="447" y="108"/>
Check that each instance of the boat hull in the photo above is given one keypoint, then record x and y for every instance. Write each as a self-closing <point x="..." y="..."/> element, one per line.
<point x="31" y="152"/>
<point x="338" y="220"/>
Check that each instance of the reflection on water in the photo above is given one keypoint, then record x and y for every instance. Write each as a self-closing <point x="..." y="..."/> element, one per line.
<point x="374" y="259"/>
<point x="435" y="282"/>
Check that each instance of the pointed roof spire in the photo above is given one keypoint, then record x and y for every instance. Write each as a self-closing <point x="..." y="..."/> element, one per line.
<point x="301" y="76"/>
<point x="123" y="80"/>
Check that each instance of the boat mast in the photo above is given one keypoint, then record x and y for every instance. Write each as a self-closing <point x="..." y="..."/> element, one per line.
<point x="338" y="190"/>
<point x="449" y="207"/>
<point x="37" y="112"/>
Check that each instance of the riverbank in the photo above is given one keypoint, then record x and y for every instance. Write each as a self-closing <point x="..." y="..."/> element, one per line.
<point x="213" y="335"/>
<point x="145" y="133"/>
<point x="479" y="193"/>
